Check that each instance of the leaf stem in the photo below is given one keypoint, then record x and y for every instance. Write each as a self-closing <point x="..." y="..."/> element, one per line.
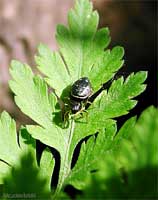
<point x="65" y="164"/>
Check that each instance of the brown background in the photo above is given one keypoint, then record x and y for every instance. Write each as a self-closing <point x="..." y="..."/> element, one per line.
<point x="24" y="24"/>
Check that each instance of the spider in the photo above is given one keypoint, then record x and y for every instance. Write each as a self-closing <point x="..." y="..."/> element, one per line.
<point x="80" y="92"/>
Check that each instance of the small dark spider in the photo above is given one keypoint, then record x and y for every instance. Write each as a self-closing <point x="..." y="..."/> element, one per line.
<point x="81" y="90"/>
<point x="81" y="96"/>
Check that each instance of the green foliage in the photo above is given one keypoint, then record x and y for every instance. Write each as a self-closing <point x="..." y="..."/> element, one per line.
<point x="10" y="149"/>
<point x="19" y="171"/>
<point x="91" y="152"/>
<point x="81" y="53"/>
<point x="8" y="139"/>
<point x="82" y="48"/>
<point x="144" y="142"/>
<point x="36" y="103"/>
<point x="131" y="171"/>
<point x="24" y="179"/>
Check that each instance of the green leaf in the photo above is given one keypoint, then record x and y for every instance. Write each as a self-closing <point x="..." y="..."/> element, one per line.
<point x="52" y="65"/>
<point x="11" y="148"/>
<point x="18" y="161"/>
<point x="105" y="183"/>
<point x="25" y="181"/>
<point x="118" y="101"/>
<point x="132" y="172"/>
<point x="75" y="40"/>
<point x="80" y="49"/>
<point x="91" y="152"/>
<point x="8" y="139"/>
<point x="82" y="53"/>
<point x="31" y="93"/>
<point x="4" y="169"/>
<point x="137" y="156"/>
<point x="65" y="140"/>
<point x="123" y="134"/>
<point x="47" y="164"/>
<point x="106" y="67"/>
<point x="52" y="136"/>
<point x="144" y="141"/>
<point x="82" y="20"/>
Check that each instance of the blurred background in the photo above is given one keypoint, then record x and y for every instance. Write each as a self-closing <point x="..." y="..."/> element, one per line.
<point x="24" y="24"/>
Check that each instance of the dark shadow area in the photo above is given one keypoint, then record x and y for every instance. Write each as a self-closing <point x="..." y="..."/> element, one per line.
<point x="27" y="138"/>
<point x="55" y="175"/>
<point x="133" y="25"/>
<point x="24" y="181"/>
<point x="62" y="106"/>
<point x="139" y="184"/>
<point x="72" y="192"/>
<point x="40" y="147"/>
<point x="77" y="149"/>
<point x="139" y="38"/>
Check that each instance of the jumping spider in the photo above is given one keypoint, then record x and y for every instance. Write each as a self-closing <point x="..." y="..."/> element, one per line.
<point x="80" y="92"/>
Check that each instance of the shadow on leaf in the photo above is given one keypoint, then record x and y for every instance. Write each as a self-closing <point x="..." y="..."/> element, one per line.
<point x="24" y="181"/>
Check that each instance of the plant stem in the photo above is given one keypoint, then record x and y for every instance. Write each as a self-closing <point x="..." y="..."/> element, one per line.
<point x="65" y="164"/>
